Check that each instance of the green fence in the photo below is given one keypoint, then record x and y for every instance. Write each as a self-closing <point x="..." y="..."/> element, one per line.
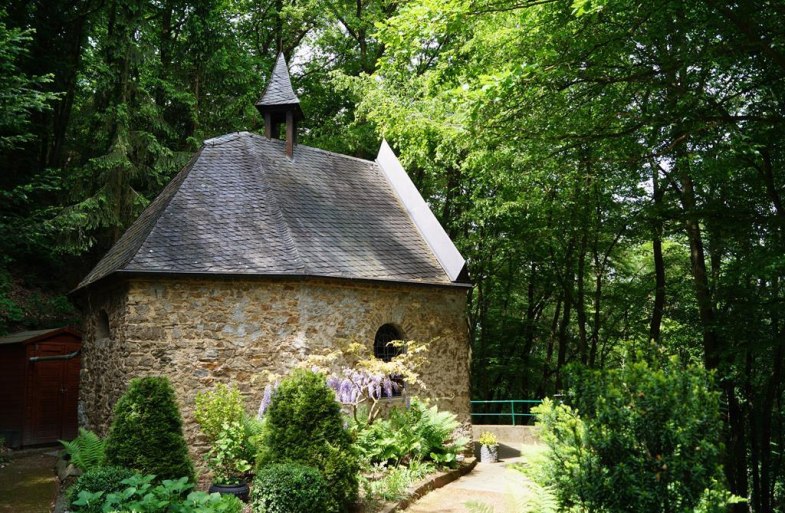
<point x="505" y="409"/>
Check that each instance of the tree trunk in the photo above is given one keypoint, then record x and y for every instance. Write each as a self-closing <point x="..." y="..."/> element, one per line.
<point x="735" y="462"/>
<point x="659" y="262"/>
<point x="563" y="337"/>
<point x="580" y="302"/>
<point x="546" y="368"/>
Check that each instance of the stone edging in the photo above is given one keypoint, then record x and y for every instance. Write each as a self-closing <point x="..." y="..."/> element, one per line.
<point x="430" y="483"/>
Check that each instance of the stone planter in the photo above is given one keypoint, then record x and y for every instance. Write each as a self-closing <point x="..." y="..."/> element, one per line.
<point x="489" y="453"/>
<point x="240" y="490"/>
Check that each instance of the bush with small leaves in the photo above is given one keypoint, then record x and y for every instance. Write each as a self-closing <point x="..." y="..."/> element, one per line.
<point x="291" y="488"/>
<point x="303" y="424"/>
<point x="147" y="431"/>
<point x="645" y="437"/>
<point x="100" y="479"/>
<point x="231" y="432"/>
<point x="217" y="407"/>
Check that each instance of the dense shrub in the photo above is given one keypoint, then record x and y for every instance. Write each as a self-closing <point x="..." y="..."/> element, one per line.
<point x="140" y="495"/>
<point x="217" y="407"/>
<point x="147" y="431"/>
<point x="100" y="479"/>
<point x="291" y="488"/>
<point x="231" y="432"/>
<point x="414" y="433"/>
<point x="303" y="424"/>
<point x="641" y="438"/>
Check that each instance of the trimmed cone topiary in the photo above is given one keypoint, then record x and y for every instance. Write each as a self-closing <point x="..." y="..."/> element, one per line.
<point x="303" y="424"/>
<point x="147" y="431"/>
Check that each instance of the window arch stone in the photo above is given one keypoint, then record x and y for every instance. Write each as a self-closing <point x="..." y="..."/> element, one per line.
<point x="102" y="329"/>
<point x="382" y="349"/>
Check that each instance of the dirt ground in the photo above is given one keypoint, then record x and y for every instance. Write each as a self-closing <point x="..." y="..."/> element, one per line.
<point x="28" y="483"/>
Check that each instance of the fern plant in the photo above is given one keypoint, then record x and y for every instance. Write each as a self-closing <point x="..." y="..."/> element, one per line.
<point x="86" y="451"/>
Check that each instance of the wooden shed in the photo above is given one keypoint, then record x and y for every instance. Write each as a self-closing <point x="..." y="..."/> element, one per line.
<point x="39" y="386"/>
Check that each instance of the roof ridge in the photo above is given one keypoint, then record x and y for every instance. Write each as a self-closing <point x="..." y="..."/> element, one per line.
<point x="165" y="198"/>
<point x="283" y="225"/>
<point x="314" y="148"/>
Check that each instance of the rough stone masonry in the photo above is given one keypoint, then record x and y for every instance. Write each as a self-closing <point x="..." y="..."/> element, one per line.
<point x="200" y="332"/>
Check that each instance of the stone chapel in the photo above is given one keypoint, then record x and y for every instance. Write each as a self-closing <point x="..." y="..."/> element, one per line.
<point x="261" y="250"/>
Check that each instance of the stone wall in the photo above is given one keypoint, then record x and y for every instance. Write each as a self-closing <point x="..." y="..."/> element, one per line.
<point x="200" y="332"/>
<point x="104" y="373"/>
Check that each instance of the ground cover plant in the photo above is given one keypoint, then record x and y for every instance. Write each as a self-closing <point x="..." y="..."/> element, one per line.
<point x="98" y="480"/>
<point x="141" y="494"/>
<point x="383" y="483"/>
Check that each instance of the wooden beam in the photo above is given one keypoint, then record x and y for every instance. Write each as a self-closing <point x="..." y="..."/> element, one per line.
<point x="291" y="133"/>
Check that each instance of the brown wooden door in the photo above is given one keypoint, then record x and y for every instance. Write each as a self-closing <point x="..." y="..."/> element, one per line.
<point x="51" y="394"/>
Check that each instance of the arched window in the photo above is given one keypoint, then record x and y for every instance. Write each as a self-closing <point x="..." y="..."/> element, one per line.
<point x="382" y="348"/>
<point x="102" y="325"/>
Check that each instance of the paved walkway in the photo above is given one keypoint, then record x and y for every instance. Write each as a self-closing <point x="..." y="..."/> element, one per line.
<point x="28" y="483"/>
<point x="489" y="485"/>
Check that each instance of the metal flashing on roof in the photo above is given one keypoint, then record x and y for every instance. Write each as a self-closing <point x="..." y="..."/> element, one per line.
<point x="433" y="233"/>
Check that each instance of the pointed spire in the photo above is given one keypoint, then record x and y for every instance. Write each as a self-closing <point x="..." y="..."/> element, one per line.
<point x="279" y="104"/>
<point x="279" y="95"/>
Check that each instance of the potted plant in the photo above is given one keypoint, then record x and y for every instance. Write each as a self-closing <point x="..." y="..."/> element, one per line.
<point x="221" y="416"/>
<point x="489" y="448"/>
<point x="228" y="463"/>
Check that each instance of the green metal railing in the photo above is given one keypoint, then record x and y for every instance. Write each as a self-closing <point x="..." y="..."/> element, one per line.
<point x="523" y="411"/>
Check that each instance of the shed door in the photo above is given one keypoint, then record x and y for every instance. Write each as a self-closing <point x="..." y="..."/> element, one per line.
<point x="52" y="394"/>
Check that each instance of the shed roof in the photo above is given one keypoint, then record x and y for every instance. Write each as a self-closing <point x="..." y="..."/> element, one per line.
<point x="241" y="207"/>
<point x="31" y="335"/>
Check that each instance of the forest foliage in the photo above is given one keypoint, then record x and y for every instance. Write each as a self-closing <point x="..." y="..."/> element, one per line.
<point x="611" y="170"/>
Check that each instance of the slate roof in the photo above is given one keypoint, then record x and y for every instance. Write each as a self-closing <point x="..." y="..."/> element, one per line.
<point x="279" y="88"/>
<point x="242" y="207"/>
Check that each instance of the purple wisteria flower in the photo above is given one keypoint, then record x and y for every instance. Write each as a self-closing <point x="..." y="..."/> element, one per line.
<point x="355" y="386"/>
<point x="267" y="398"/>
